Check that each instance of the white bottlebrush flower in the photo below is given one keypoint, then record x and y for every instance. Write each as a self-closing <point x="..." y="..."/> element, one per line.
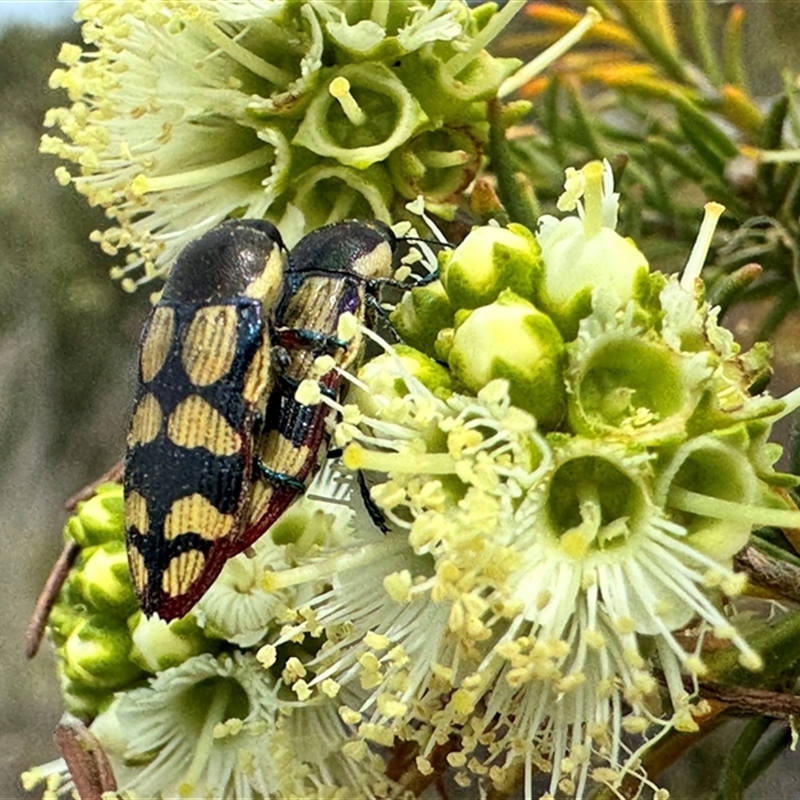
<point x="184" y="113"/>
<point x="217" y="727"/>
<point x="530" y="596"/>
<point x="199" y="729"/>
<point x="237" y="607"/>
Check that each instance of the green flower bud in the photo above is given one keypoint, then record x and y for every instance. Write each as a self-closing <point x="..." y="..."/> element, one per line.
<point x="107" y="582"/>
<point x="489" y="260"/>
<point x="421" y="314"/>
<point x="158" y="645"/>
<point x="96" y="655"/>
<point x="511" y="339"/>
<point x="386" y="378"/>
<point x="360" y="116"/>
<point x="82" y="702"/>
<point x="68" y="611"/>
<point x="100" y="519"/>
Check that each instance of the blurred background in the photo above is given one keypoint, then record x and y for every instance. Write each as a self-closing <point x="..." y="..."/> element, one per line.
<point x="68" y="338"/>
<point x="67" y="342"/>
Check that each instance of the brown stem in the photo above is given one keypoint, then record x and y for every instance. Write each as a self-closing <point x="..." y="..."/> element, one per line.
<point x="87" y="762"/>
<point x="772" y="573"/>
<point x="47" y="598"/>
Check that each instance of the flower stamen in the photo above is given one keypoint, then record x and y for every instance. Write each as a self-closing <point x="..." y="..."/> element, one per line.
<point x="717" y="508"/>
<point x="499" y="21"/>
<point x="340" y="90"/>
<point x="144" y="184"/>
<point x="246" y="57"/>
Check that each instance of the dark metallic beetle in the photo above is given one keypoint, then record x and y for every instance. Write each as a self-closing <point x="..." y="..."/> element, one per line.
<point x="333" y="271"/>
<point x="219" y="446"/>
<point x="205" y="374"/>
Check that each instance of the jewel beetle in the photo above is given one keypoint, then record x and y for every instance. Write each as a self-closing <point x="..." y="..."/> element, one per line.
<point x="205" y="376"/>
<point x="333" y="270"/>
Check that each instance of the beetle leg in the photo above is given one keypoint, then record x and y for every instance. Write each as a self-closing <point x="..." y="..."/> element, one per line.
<point x="315" y="341"/>
<point x="371" y="507"/>
<point x="279" y="479"/>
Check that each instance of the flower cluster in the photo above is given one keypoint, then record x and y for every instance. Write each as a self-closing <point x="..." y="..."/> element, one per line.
<point x="195" y="707"/>
<point x="299" y="112"/>
<point x="565" y="453"/>
<point x="567" y="461"/>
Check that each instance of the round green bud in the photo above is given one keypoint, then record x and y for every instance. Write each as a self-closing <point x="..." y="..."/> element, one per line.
<point x="84" y="703"/>
<point x="96" y="655"/>
<point x="421" y="314"/>
<point x="107" y="582"/>
<point x="68" y="611"/>
<point x="488" y="261"/>
<point x="158" y="645"/>
<point x="100" y="519"/>
<point x="511" y="339"/>
<point x="385" y="376"/>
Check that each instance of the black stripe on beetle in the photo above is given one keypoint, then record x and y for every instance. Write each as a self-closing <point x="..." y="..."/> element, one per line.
<point x="205" y="376"/>
<point x="332" y="271"/>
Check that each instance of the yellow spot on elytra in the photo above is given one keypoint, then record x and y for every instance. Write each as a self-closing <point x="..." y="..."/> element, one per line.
<point x="256" y="380"/>
<point x="259" y="500"/>
<point x="136" y="515"/>
<point x="146" y="421"/>
<point x="268" y="285"/>
<point x="195" y="423"/>
<point x="210" y="344"/>
<point x="157" y="341"/>
<point x="138" y="569"/>
<point x="196" y="514"/>
<point x="376" y="263"/>
<point x="182" y="572"/>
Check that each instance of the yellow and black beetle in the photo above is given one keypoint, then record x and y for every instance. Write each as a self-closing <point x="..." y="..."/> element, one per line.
<point x="332" y="271"/>
<point x="205" y="374"/>
<point x="219" y="446"/>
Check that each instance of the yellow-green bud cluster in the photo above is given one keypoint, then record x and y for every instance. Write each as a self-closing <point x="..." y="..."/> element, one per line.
<point x="481" y="318"/>
<point x="95" y="620"/>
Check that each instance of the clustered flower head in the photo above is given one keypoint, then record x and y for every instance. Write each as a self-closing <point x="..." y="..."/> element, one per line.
<point x="567" y="461"/>
<point x="198" y="707"/>
<point x="565" y="454"/>
<point x="299" y="112"/>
